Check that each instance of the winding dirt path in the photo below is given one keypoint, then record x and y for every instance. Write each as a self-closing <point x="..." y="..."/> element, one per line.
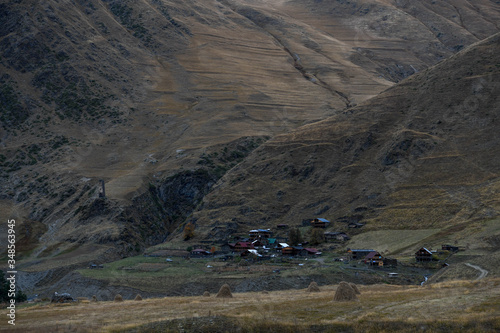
<point x="483" y="271"/>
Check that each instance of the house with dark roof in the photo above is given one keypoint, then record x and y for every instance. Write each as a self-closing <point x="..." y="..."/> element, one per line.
<point x="288" y="251"/>
<point x="450" y="248"/>
<point x="309" y="251"/>
<point x="358" y="254"/>
<point x="390" y="262"/>
<point x="243" y="246"/>
<point x="260" y="234"/>
<point x="374" y="258"/>
<point x="423" y="254"/>
<point x="200" y="253"/>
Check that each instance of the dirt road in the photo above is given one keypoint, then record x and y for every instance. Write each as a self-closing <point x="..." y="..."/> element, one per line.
<point x="483" y="271"/>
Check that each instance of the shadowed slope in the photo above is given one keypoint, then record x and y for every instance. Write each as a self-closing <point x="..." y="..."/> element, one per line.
<point x="422" y="154"/>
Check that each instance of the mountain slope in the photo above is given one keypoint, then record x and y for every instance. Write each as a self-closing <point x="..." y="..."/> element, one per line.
<point x="160" y="98"/>
<point x="423" y="154"/>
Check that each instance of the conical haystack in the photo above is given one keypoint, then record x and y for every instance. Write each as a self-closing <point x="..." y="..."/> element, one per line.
<point x="138" y="297"/>
<point x="313" y="287"/>
<point x="118" y="298"/>
<point x="225" y="292"/>
<point x="206" y="294"/>
<point x="345" y="293"/>
<point x="355" y="288"/>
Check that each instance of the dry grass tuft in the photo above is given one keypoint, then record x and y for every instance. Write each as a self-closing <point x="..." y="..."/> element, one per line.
<point x="206" y="294"/>
<point x="225" y="292"/>
<point x="345" y="293"/>
<point x="138" y="297"/>
<point x="118" y="298"/>
<point x="355" y="288"/>
<point x="313" y="287"/>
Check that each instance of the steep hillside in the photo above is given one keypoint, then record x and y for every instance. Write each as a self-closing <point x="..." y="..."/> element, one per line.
<point x="423" y="154"/>
<point x="160" y="98"/>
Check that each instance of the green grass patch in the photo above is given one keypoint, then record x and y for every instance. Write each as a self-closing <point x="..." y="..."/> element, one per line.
<point x="145" y="267"/>
<point x="391" y="242"/>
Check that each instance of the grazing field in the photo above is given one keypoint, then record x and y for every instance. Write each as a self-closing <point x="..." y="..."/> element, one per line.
<point x="390" y="241"/>
<point x="470" y="306"/>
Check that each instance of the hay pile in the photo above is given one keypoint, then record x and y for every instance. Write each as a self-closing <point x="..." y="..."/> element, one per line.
<point x="138" y="297"/>
<point x="118" y="298"/>
<point x="206" y="294"/>
<point x="344" y="293"/>
<point x="225" y="292"/>
<point x="313" y="287"/>
<point x="355" y="288"/>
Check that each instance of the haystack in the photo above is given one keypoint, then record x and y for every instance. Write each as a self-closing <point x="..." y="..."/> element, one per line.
<point x="355" y="288"/>
<point x="225" y="292"/>
<point x="206" y="294"/>
<point x="138" y="297"/>
<point x="313" y="287"/>
<point x="345" y="293"/>
<point x="118" y="298"/>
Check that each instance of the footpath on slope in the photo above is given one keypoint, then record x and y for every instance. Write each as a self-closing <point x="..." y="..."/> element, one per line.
<point x="481" y="270"/>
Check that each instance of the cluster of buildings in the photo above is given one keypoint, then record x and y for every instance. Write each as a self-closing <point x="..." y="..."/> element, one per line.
<point x="374" y="258"/>
<point x="424" y="254"/>
<point x="260" y="243"/>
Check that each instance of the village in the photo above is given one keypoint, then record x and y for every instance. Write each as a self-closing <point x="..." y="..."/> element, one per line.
<point x="323" y="245"/>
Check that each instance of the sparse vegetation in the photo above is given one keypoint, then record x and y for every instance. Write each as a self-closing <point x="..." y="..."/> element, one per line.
<point x="5" y="290"/>
<point x="317" y="236"/>
<point x="12" y="111"/>
<point x="189" y="231"/>
<point x="295" y="236"/>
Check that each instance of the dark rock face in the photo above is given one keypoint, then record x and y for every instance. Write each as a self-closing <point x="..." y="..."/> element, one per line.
<point x="181" y="193"/>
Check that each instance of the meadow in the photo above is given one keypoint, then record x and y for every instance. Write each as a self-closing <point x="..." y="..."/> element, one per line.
<point x="460" y="305"/>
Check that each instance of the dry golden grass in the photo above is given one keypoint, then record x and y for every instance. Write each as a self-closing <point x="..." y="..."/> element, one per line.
<point x="450" y="304"/>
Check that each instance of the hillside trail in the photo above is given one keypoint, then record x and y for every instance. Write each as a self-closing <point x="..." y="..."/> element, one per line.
<point x="483" y="271"/>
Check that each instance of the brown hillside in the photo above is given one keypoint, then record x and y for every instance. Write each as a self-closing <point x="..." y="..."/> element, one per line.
<point x="423" y="154"/>
<point x="160" y="98"/>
